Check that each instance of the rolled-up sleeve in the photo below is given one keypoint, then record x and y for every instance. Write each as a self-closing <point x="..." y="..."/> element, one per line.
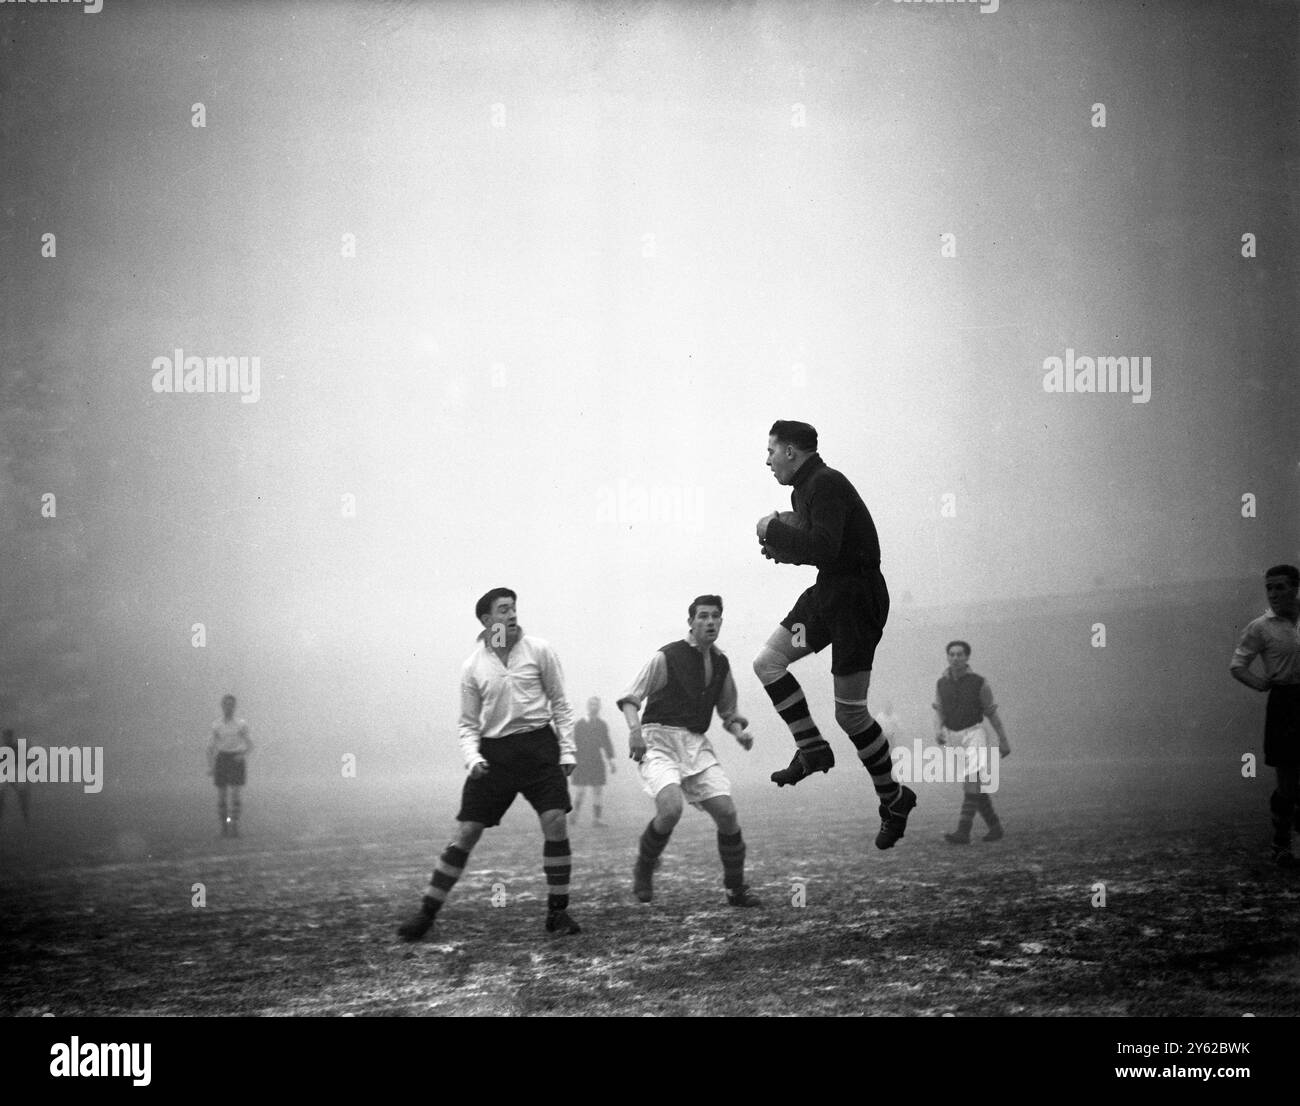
<point x="561" y="712"/>
<point x="650" y="679"/>
<point x="471" y="705"/>
<point x="986" y="698"/>
<point x="1248" y="648"/>
<point x="728" y="703"/>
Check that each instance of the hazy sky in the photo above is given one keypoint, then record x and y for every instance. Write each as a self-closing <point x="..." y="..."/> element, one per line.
<point x="598" y="250"/>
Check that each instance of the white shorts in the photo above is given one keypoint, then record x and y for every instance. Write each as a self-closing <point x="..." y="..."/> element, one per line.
<point x="972" y="740"/>
<point x="674" y="755"/>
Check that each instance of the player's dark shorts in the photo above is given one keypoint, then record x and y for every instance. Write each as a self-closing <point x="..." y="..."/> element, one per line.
<point x="589" y="772"/>
<point x="229" y="770"/>
<point x="1282" y="727"/>
<point x="526" y="764"/>
<point x="847" y="613"/>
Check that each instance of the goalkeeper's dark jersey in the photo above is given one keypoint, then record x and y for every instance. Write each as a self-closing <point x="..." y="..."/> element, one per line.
<point x="839" y="536"/>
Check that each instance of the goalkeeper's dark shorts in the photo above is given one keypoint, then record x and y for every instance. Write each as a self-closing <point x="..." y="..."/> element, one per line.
<point x="847" y="613"/>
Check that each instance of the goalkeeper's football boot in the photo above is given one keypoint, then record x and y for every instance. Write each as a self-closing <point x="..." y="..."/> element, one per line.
<point x="893" y="819"/>
<point x="805" y="764"/>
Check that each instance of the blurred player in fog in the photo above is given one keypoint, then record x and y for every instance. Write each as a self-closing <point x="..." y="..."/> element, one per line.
<point x="593" y="749"/>
<point x="516" y="735"/>
<point x="227" y="764"/>
<point x="23" y="789"/>
<point x="846" y="609"/>
<point x="682" y="685"/>
<point x="963" y="701"/>
<point x="1274" y="637"/>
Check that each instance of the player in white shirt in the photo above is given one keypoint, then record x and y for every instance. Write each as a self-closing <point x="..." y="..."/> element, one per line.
<point x="1274" y="640"/>
<point x="516" y="734"/>
<point x="227" y="764"/>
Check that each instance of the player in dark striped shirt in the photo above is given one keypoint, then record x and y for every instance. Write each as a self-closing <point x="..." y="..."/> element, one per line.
<point x="846" y="609"/>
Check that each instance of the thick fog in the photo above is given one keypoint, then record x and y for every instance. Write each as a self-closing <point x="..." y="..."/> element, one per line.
<point x="522" y="288"/>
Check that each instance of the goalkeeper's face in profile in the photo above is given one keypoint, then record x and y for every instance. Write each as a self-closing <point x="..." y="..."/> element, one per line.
<point x="782" y="459"/>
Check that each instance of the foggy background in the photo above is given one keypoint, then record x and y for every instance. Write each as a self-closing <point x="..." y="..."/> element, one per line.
<point x="596" y="256"/>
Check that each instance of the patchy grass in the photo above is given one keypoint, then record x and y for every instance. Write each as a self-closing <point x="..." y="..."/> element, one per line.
<point x="1195" y="922"/>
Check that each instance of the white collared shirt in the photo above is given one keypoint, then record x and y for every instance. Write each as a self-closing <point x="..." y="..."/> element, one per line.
<point x="230" y="737"/>
<point x="1276" y="641"/>
<point x="526" y="693"/>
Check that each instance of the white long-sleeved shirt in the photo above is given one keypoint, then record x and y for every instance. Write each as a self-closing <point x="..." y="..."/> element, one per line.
<point x="1276" y="642"/>
<point x="230" y="737"/>
<point x="526" y="693"/>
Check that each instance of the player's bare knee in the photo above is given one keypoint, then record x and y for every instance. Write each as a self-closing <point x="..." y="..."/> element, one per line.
<point x="554" y="824"/>
<point x="852" y="718"/>
<point x="668" y="805"/>
<point x="724" y="814"/>
<point x="467" y="835"/>
<point x="770" y="666"/>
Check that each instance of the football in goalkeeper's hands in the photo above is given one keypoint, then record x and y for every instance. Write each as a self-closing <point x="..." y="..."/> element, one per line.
<point x="790" y="519"/>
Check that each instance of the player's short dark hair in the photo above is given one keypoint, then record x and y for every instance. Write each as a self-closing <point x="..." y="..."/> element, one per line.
<point x="705" y="601"/>
<point x="798" y="434"/>
<point x="1289" y="571"/>
<point x="964" y="644"/>
<point x="227" y="695"/>
<point x="486" y="600"/>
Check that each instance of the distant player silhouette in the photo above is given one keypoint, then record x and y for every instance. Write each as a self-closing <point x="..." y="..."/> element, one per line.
<point x="963" y="702"/>
<point x="24" y="789"/>
<point x="227" y="753"/>
<point x="594" y="748"/>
